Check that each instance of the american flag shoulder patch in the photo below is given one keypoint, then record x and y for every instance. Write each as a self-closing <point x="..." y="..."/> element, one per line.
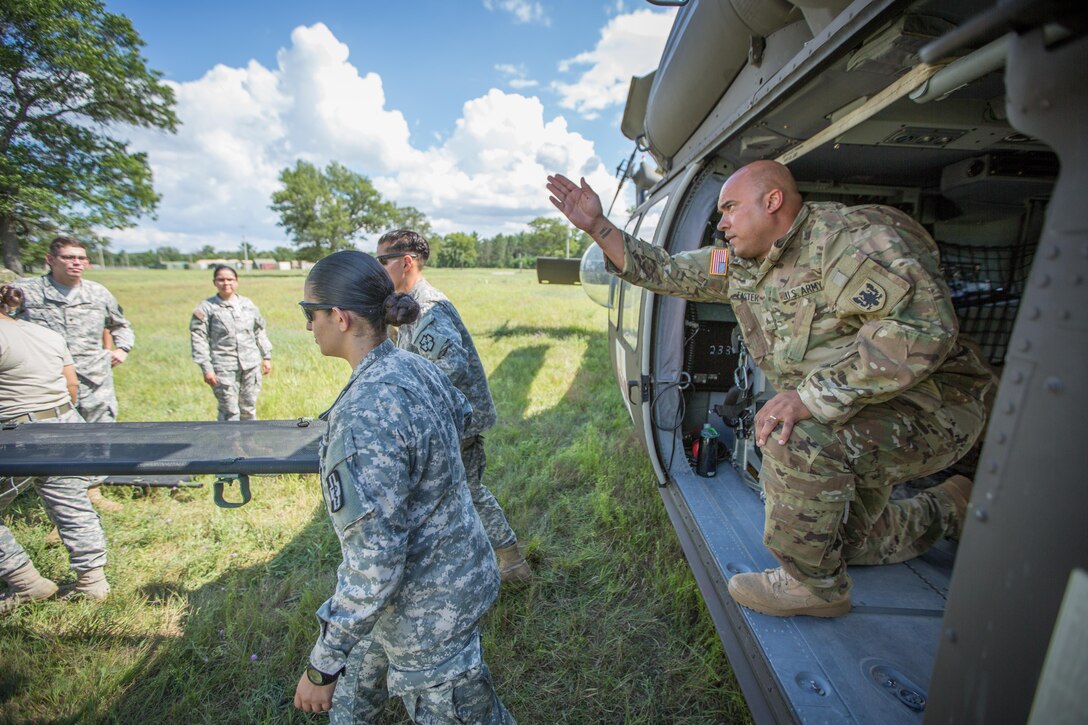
<point x="719" y="261"/>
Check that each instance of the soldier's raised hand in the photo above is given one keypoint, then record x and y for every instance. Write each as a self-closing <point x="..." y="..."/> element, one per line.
<point x="579" y="203"/>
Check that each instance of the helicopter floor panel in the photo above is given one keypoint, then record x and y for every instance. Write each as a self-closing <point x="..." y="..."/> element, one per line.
<point x="160" y="449"/>
<point x="870" y="666"/>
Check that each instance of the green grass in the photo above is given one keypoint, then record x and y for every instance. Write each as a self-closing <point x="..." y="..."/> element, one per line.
<point x="212" y="611"/>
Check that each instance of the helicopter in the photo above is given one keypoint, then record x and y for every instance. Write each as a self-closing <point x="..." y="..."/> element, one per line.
<point x="969" y="117"/>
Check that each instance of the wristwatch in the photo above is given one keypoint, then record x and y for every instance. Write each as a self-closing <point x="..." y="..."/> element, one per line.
<point x="318" y="677"/>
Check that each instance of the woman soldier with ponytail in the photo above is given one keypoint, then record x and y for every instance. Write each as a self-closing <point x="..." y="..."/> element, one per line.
<point x="417" y="571"/>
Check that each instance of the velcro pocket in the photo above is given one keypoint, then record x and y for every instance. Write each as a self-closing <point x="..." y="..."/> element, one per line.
<point x="753" y="335"/>
<point x="804" y="517"/>
<point x="345" y="499"/>
<point x="802" y="326"/>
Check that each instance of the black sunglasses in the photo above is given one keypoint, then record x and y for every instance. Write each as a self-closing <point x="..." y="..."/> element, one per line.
<point x="383" y="258"/>
<point x="308" y="308"/>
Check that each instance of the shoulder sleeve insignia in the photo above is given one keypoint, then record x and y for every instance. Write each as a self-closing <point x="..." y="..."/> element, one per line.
<point x="198" y="313"/>
<point x="425" y="342"/>
<point x="870" y="296"/>
<point x="719" y="261"/>
<point x="335" y="489"/>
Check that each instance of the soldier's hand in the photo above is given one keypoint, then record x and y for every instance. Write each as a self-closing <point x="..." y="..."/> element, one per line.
<point x="785" y="409"/>
<point x="117" y="357"/>
<point x="313" y="698"/>
<point x="210" y="379"/>
<point x="579" y="204"/>
<point x="266" y="367"/>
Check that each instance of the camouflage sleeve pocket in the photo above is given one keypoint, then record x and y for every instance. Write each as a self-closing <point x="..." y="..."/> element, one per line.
<point x="344" y="498"/>
<point x="871" y="290"/>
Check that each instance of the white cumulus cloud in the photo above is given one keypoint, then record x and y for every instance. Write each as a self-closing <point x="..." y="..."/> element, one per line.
<point x="629" y="45"/>
<point x="242" y="126"/>
<point x="522" y="10"/>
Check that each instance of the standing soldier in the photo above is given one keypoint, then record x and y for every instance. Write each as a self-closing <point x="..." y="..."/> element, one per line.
<point x="80" y="310"/>
<point x="845" y="310"/>
<point x="231" y="347"/>
<point x="38" y="386"/>
<point x="417" y="573"/>
<point x="441" y="337"/>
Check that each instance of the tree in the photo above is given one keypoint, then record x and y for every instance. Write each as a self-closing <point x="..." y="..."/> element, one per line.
<point x="70" y="73"/>
<point x="325" y="211"/>
<point x="458" y="250"/>
<point x="408" y="217"/>
<point x="283" y="254"/>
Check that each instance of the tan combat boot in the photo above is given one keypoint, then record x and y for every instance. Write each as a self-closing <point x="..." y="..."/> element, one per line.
<point x="102" y="503"/>
<point x="28" y="585"/>
<point x="956" y="489"/>
<point x="92" y="584"/>
<point x="512" y="565"/>
<point x="775" y="593"/>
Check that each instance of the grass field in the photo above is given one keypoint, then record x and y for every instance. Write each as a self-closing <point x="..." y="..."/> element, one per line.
<point x="212" y="611"/>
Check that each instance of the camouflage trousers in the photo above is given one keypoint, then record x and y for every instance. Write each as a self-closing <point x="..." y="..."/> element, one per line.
<point x="487" y="506"/>
<point x="458" y="697"/>
<point x="237" y="393"/>
<point x="66" y="503"/>
<point x="828" y="489"/>
<point x="97" y="403"/>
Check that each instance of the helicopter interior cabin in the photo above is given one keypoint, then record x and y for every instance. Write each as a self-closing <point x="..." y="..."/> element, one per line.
<point x="858" y="120"/>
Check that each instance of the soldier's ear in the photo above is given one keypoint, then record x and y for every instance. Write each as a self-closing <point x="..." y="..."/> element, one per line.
<point x="773" y="200"/>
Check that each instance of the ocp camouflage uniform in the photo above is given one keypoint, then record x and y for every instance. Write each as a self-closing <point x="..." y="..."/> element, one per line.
<point x="417" y="571"/>
<point x="850" y="310"/>
<point x="228" y="338"/>
<point x="440" y="336"/>
<point x="80" y="317"/>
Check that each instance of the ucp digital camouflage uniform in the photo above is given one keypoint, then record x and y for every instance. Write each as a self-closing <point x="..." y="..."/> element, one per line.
<point x="228" y="338"/>
<point x="66" y="503"/>
<point x="850" y="310"/>
<point x="80" y="317"/>
<point x="440" y="336"/>
<point x="417" y="571"/>
<point x="64" y="497"/>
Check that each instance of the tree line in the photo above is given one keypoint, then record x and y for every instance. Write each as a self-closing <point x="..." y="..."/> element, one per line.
<point x="71" y="74"/>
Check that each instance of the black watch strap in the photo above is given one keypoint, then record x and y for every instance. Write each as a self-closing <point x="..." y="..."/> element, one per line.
<point x="318" y="677"/>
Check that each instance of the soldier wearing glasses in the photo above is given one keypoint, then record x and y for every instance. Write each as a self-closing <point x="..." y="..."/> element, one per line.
<point x="441" y="337"/>
<point x="80" y="311"/>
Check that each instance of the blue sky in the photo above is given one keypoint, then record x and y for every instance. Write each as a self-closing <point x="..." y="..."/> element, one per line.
<point x="457" y="108"/>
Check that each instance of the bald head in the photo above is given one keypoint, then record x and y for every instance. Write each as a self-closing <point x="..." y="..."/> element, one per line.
<point x="759" y="203"/>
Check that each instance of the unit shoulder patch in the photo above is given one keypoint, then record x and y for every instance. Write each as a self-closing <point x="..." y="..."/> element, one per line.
<point x="869" y="296"/>
<point x="335" y="487"/>
<point x="198" y="313"/>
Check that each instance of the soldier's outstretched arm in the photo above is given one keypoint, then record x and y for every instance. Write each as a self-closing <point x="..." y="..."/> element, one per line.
<point x="582" y="207"/>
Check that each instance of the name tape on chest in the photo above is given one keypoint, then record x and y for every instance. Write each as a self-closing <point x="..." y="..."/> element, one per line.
<point x="803" y="290"/>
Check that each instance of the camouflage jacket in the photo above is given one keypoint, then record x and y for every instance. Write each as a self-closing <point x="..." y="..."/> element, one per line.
<point x="849" y="308"/>
<point x="228" y="335"/>
<point x="80" y="319"/>
<point x="440" y="336"/>
<point x="417" y="570"/>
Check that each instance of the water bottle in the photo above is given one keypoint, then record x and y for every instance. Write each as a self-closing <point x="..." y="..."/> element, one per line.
<point x="706" y="463"/>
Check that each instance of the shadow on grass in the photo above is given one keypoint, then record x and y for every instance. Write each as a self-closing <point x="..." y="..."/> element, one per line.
<point x="590" y="639"/>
